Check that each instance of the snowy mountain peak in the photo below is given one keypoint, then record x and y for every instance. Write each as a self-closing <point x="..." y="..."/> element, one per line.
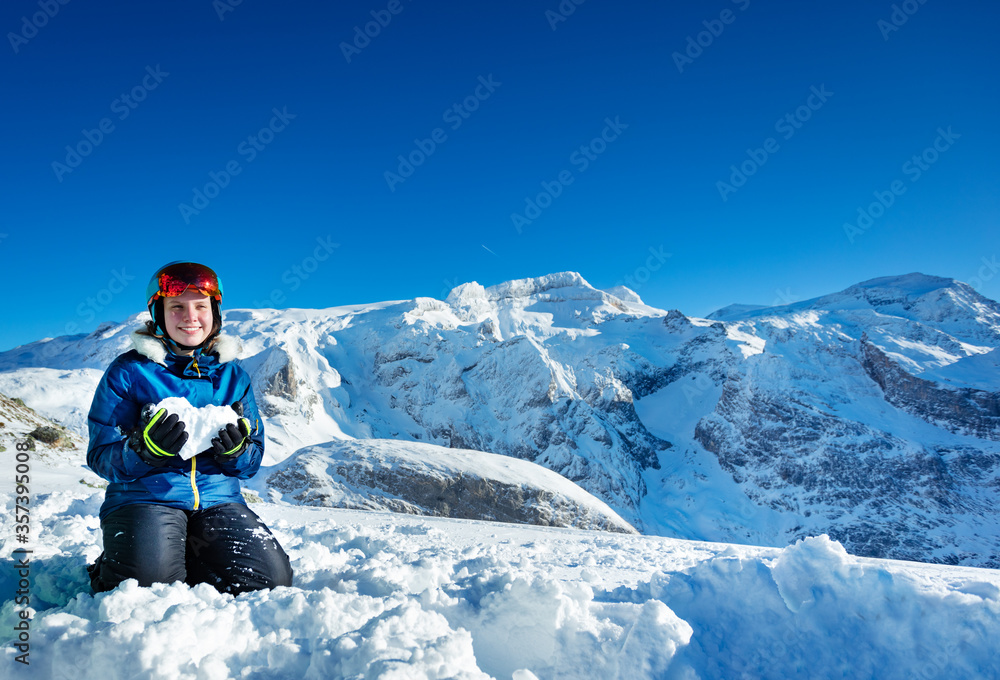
<point x="902" y="293"/>
<point x="527" y="288"/>
<point x="465" y="294"/>
<point x="625" y="294"/>
<point x="946" y="304"/>
<point x="735" y="311"/>
<point x="914" y="284"/>
<point x="472" y="293"/>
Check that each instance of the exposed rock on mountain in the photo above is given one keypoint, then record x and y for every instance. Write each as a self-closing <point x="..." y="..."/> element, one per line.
<point x="422" y="479"/>
<point x="23" y="429"/>
<point x="833" y="424"/>
<point x="964" y="411"/>
<point x="19" y="422"/>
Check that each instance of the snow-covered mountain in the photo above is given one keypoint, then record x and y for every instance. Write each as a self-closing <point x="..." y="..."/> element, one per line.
<point x="870" y="414"/>
<point x="873" y="412"/>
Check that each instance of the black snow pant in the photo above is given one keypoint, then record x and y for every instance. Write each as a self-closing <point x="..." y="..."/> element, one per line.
<point x="226" y="545"/>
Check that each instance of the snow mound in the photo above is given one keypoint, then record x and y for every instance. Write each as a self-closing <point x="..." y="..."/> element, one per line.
<point x="820" y="613"/>
<point x="380" y="595"/>
<point x="423" y="479"/>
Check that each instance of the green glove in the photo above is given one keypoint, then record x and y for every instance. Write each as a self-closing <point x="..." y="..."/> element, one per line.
<point x="232" y="440"/>
<point x="158" y="437"/>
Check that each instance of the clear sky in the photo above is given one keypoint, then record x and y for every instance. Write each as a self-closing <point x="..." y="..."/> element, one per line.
<point x="329" y="153"/>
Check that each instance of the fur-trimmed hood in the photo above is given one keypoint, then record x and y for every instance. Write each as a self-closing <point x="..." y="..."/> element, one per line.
<point x="136" y="378"/>
<point x="227" y="347"/>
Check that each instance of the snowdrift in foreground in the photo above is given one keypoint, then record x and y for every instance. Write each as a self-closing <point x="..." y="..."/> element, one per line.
<point x="392" y="596"/>
<point x="423" y="479"/>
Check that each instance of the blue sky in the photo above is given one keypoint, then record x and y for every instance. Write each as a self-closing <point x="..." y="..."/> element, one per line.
<point x="704" y="152"/>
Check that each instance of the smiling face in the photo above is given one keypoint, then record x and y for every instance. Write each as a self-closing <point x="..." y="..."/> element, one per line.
<point x="188" y="317"/>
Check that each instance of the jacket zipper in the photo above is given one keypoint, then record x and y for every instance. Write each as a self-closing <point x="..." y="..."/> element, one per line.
<point x="194" y="486"/>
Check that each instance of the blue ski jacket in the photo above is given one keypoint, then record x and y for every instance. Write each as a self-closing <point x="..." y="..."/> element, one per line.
<point x="146" y="375"/>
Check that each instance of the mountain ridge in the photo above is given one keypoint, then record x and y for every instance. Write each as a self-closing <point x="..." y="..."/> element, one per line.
<point x="764" y="427"/>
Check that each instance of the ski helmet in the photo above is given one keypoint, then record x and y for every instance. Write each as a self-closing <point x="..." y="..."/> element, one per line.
<point x="173" y="278"/>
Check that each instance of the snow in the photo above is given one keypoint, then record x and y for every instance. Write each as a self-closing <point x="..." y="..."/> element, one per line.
<point x="62" y="395"/>
<point x="750" y="345"/>
<point x="546" y="369"/>
<point x="450" y="462"/>
<point x="377" y="595"/>
<point x="980" y="370"/>
<point x="699" y="498"/>
<point x="383" y="474"/>
<point x="201" y="424"/>
<point x="625" y="294"/>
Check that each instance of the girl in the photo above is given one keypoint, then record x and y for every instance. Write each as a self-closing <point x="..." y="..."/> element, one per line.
<point x="165" y="519"/>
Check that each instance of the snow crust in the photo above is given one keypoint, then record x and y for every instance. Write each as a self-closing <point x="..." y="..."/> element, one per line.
<point x="201" y="424"/>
